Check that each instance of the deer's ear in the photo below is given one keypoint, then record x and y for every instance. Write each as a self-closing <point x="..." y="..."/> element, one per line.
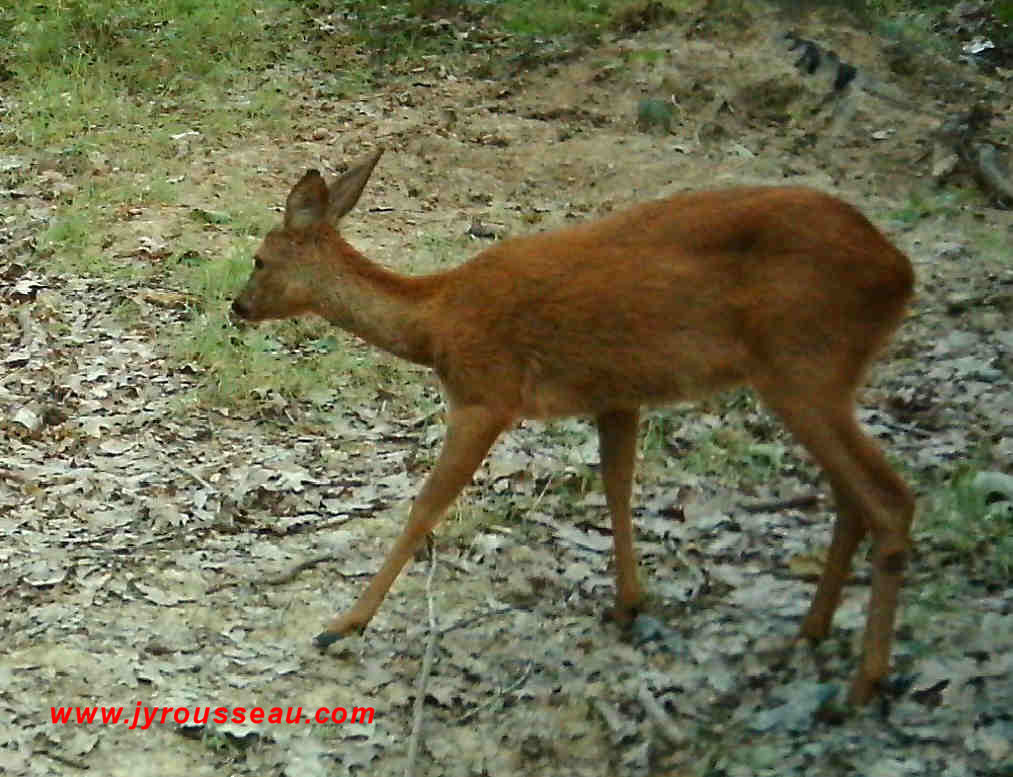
<point x="346" y="190"/>
<point x="307" y="202"/>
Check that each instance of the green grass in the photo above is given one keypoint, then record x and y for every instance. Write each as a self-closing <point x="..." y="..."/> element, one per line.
<point x="69" y="232"/>
<point x="930" y="204"/>
<point x="659" y="427"/>
<point x="433" y="252"/>
<point x="100" y="91"/>
<point x="83" y="66"/>
<point x="252" y="364"/>
<point x="730" y="453"/>
<point x="297" y="358"/>
<point x="753" y="455"/>
<point x="583" y="19"/>
<point x="403" y="31"/>
<point x="960" y="522"/>
<point x="141" y="45"/>
<point x="967" y="542"/>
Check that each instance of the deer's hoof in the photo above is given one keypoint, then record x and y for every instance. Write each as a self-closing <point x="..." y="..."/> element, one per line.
<point x="325" y="639"/>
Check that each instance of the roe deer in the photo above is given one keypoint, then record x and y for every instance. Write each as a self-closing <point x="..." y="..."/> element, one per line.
<point x="785" y="289"/>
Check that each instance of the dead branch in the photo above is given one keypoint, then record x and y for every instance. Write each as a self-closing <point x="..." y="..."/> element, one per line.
<point x="992" y="172"/>
<point x="958" y="138"/>
<point x="65" y="760"/>
<point x="675" y="735"/>
<point x="25" y="322"/>
<point x="465" y="622"/>
<point x="427" y="666"/>
<point x="794" y="503"/>
<point x="498" y="698"/>
<point x="289" y="575"/>
<point x="983" y="159"/>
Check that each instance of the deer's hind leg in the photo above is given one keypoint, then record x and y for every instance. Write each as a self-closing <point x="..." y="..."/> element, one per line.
<point x="872" y="499"/>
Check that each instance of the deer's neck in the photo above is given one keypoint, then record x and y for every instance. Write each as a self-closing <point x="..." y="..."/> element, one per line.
<point x="383" y="308"/>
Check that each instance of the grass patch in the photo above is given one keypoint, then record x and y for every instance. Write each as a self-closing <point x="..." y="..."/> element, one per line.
<point x="306" y="357"/>
<point x="966" y="539"/>
<point x="929" y="204"/>
<point x="105" y="95"/>
<point x="584" y="20"/>
<point x="120" y="97"/>
<point x="102" y="92"/>
<point x="256" y="363"/>
<point x="970" y="526"/>
<point x="288" y="358"/>
<point x="730" y="453"/>
<point x="81" y="66"/>
<point x="402" y="31"/>
<point x="141" y="46"/>
<point x="746" y="446"/>
<point x="437" y="252"/>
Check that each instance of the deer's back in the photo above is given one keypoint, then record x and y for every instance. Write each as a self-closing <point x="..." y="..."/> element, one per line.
<point x="670" y="300"/>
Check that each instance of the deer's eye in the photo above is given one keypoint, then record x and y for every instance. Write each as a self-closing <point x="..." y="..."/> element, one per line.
<point x="258" y="263"/>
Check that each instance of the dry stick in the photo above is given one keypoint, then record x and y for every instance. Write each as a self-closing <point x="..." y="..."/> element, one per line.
<point x="25" y="322"/>
<point x="188" y="471"/>
<point x="796" y="502"/>
<point x="990" y="171"/>
<point x="498" y="698"/>
<point x="65" y="760"/>
<point x="290" y="575"/>
<point x="669" y="730"/>
<point x="427" y="665"/>
<point x="308" y="526"/>
<point x="541" y="495"/>
<point x="464" y="622"/>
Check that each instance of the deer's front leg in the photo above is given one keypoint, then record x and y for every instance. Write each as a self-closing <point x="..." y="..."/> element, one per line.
<point x="471" y="431"/>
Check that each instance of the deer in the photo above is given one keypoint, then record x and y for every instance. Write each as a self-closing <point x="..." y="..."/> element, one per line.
<point x="784" y="289"/>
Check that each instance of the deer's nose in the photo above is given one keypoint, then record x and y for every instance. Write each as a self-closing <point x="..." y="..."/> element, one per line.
<point x="239" y="309"/>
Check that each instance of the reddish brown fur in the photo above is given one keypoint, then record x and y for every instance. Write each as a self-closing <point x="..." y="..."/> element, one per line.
<point x="786" y="289"/>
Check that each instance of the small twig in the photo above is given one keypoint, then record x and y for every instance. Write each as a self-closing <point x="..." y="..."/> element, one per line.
<point x="10" y="376"/>
<point x="541" y="494"/>
<point x="795" y="503"/>
<point x="656" y="713"/>
<point x="465" y="622"/>
<point x="498" y="698"/>
<point x="457" y="566"/>
<point x="188" y="471"/>
<point x="992" y="172"/>
<point x="25" y="322"/>
<point x="314" y="526"/>
<point x="65" y="760"/>
<point x="427" y="665"/>
<point x="912" y="430"/>
<point x="290" y="575"/>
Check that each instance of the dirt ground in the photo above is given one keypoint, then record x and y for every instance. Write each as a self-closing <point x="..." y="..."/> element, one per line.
<point x="140" y="541"/>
